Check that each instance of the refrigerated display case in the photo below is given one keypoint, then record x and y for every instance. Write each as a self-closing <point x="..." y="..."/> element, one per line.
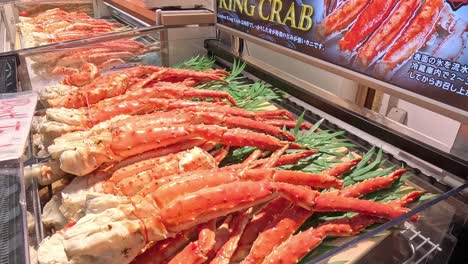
<point x="438" y="237"/>
<point x="22" y="27"/>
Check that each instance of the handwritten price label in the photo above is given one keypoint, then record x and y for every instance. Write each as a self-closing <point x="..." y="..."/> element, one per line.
<point x="16" y="112"/>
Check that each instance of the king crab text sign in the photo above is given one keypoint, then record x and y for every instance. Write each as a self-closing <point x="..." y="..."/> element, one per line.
<point x="16" y="111"/>
<point x="418" y="45"/>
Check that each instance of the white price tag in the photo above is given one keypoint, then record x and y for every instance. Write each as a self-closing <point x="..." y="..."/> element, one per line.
<point x="16" y="112"/>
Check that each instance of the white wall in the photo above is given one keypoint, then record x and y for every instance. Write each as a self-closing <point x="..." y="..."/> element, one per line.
<point x="333" y="83"/>
<point x="440" y="128"/>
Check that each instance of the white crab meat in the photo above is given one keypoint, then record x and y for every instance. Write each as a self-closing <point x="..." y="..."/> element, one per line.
<point x="57" y="90"/>
<point x="52" y="217"/>
<point x="110" y="236"/>
<point x="51" y="251"/>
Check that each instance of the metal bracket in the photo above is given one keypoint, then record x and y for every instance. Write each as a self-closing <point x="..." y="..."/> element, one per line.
<point x="184" y="17"/>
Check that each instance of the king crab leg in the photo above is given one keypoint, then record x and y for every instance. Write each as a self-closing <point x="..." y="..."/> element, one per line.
<point x="60" y="25"/>
<point x="282" y="226"/>
<point x="255" y="155"/>
<point x="199" y="180"/>
<point x="74" y="196"/>
<point x="49" y="172"/>
<point x="104" y="110"/>
<point x="147" y="223"/>
<point x="225" y="253"/>
<point x="118" y="83"/>
<point x="190" y="182"/>
<point x="166" y="249"/>
<point x="193" y="118"/>
<point x="267" y="214"/>
<point x="413" y="37"/>
<point x="387" y="32"/>
<point x="297" y="246"/>
<point x="342" y="17"/>
<point x="101" y="54"/>
<point x="115" y="143"/>
<point x="125" y="144"/>
<point x="199" y="250"/>
<point x="371" y="18"/>
<point x="220" y="154"/>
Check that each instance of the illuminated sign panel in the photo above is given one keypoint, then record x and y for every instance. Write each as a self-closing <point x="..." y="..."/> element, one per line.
<point x="418" y="45"/>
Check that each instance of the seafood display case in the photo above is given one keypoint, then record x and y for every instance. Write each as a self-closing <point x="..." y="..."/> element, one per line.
<point x="364" y="145"/>
<point x="27" y="24"/>
<point x="442" y="214"/>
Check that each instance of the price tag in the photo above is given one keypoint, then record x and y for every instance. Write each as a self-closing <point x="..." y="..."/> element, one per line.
<point x="16" y="112"/>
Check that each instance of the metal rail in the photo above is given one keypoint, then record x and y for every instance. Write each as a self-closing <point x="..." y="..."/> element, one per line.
<point x="421" y="243"/>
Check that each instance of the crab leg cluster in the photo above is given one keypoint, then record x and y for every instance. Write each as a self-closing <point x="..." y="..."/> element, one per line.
<point x="297" y="246"/>
<point x="129" y="112"/>
<point x="151" y="189"/>
<point x="414" y="36"/>
<point x="55" y="25"/>
<point x="118" y="83"/>
<point x="187" y="200"/>
<point x="384" y="34"/>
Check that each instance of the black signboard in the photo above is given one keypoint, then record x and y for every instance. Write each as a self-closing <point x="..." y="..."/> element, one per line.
<point x="8" y="74"/>
<point x="418" y="45"/>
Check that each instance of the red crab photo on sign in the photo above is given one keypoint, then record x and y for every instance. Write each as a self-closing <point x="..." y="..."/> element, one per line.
<point x="417" y="45"/>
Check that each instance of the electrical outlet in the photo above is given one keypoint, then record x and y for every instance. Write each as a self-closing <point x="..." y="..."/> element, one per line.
<point x="397" y="114"/>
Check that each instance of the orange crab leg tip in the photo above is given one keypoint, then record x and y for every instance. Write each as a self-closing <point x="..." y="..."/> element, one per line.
<point x="267" y="214"/>
<point x="371" y="185"/>
<point x="212" y="93"/>
<point x="312" y="180"/>
<point x="221" y="153"/>
<point x="273" y="159"/>
<point x="255" y="155"/>
<point x="286" y="123"/>
<point x="294" y="157"/>
<point x="241" y="137"/>
<point x="276" y="113"/>
<point x="277" y="232"/>
<point x="300" y="195"/>
<point x="190" y="254"/>
<point x="226" y="252"/>
<point x="295" y="248"/>
<point x="197" y="251"/>
<point x="330" y="202"/>
<point x="295" y="145"/>
<point x="343" y="167"/>
<point x="242" y="122"/>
